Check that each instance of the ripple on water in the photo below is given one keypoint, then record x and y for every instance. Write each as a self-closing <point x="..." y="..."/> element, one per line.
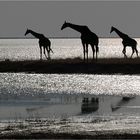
<point x="19" y="84"/>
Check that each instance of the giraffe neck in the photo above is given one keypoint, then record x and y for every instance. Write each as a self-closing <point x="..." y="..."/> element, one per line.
<point x="36" y="35"/>
<point x="120" y="34"/>
<point x="78" y="28"/>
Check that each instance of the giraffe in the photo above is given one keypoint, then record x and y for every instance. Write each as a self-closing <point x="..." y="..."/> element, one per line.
<point x="126" y="41"/>
<point x="43" y="42"/>
<point x="87" y="38"/>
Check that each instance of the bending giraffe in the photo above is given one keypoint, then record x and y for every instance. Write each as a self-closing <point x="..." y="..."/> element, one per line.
<point x="87" y="38"/>
<point x="126" y="41"/>
<point x="43" y="42"/>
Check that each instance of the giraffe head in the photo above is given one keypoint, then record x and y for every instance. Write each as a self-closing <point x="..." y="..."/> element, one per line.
<point x="27" y="32"/>
<point x="112" y="29"/>
<point x="64" y="25"/>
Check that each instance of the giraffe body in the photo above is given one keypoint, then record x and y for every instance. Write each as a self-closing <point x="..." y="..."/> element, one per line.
<point x="87" y="38"/>
<point x="126" y="41"/>
<point x="44" y="43"/>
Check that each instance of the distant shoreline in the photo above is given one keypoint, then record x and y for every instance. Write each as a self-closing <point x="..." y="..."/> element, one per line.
<point x="73" y="66"/>
<point x="46" y="129"/>
<point x="60" y="37"/>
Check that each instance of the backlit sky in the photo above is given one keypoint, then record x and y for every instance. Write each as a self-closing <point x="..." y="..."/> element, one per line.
<point x="48" y="16"/>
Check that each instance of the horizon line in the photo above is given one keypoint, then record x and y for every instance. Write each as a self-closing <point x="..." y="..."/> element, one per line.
<point x="69" y="0"/>
<point x="53" y="37"/>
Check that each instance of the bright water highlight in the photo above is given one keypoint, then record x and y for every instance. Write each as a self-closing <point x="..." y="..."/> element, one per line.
<point x="20" y="85"/>
<point x="28" y="49"/>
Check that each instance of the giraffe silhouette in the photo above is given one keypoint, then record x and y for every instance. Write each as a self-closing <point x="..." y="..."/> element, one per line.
<point x="43" y="42"/>
<point x="126" y="41"/>
<point x="87" y="38"/>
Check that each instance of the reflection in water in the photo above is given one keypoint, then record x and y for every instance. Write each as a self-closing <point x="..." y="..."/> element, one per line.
<point x="123" y="101"/>
<point x="54" y="106"/>
<point x="89" y="105"/>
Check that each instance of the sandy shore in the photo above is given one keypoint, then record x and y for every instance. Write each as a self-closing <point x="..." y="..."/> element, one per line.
<point x="115" y="120"/>
<point x="76" y="65"/>
<point x="40" y="129"/>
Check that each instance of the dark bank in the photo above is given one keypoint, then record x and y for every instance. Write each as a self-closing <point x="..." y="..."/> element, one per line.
<point x="76" y="65"/>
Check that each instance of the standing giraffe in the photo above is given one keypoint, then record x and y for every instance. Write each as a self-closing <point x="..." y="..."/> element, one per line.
<point x="126" y="41"/>
<point x="87" y="38"/>
<point x="43" y="42"/>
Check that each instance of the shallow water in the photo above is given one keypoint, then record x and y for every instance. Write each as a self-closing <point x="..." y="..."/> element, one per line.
<point x="61" y="96"/>
<point x="27" y="49"/>
<point x="67" y="106"/>
<point x="20" y="85"/>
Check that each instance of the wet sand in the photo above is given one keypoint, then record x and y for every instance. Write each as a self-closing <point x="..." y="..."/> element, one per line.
<point x="76" y="65"/>
<point x="84" y="116"/>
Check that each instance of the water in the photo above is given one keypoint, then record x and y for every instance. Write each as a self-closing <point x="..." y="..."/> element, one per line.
<point x="27" y="49"/>
<point x="61" y="95"/>
<point x="36" y="85"/>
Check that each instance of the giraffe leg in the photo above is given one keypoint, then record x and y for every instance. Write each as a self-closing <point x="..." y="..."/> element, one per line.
<point x="96" y="55"/>
<point x="137" y="52"/>
<point x="124" y="52"/>
<point x="93" y="50"/>
<point x="132" y="52"/>
<point x="40" y="53"/>
<point x="87" y="51"/>
<point x="48" y="52"/>
<point x="97" y="50"/>
<point x="45" y="52"/>
<point x="83" y="49"/>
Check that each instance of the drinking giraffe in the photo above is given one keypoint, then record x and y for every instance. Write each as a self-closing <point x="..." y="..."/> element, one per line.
<point x="43" y="42"/>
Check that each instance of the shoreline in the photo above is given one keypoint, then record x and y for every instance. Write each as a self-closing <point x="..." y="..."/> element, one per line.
<point x="41" y="135"/>
<point x="73" y="66"/>
<point x="84" y="124"/>
<point x="38" y="129"/>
